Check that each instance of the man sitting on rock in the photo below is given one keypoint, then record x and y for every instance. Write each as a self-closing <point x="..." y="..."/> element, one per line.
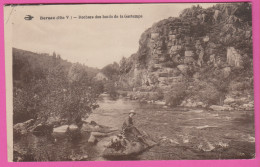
<point x="129" y="131"/>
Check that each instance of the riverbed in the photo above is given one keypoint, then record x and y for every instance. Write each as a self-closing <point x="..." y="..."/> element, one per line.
<point x="181" y="133"/>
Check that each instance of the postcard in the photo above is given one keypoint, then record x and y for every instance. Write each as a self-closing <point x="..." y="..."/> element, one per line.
<point x="129" y="82"/>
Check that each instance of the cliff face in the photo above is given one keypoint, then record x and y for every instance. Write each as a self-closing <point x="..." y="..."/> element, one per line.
<point x="200" y="46"/>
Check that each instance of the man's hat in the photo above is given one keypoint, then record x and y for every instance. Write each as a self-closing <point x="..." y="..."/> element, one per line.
<point x="132" y="111"/>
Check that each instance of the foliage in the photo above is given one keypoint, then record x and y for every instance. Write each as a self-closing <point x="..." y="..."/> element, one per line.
<point x="111" y="71"/>
<point x="52" y="88"/>
<point x="209" y="94"/>
<point x="125" y="65"/>
<point x="176" y="94"/>
<point x="111" y="89"/>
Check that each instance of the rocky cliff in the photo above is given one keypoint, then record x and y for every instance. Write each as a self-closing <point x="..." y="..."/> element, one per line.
<point x="207" y="52"/>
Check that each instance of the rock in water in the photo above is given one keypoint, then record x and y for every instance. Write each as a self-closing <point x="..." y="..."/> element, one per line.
<point x="73" y="127"/>
<point x="22" y="128"/>
<point x="60" y="132"/>
<point x="61" y="129"/>
<point x="220" y="108"/>
<point x="92" y="139"/>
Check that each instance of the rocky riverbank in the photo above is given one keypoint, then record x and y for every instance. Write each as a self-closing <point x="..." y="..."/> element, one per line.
<point x="27" y="132"/>
<point x="229" y="103"/>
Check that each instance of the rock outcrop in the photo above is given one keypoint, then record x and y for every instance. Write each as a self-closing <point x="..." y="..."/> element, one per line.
<point x="201" y="45"/>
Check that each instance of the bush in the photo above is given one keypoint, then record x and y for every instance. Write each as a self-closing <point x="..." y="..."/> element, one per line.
<point x="176" y="95"/>
<point x="111" y="89"/>
<point x="209" y="95"/>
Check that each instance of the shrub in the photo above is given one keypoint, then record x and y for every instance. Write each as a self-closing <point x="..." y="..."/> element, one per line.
<point x="209" y="94"/>
<point x="111" y="89"/>
<point x="176" y="95"/>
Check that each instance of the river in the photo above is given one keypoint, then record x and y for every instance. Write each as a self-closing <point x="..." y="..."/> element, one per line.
<point x="181" y="133"/>
<point x="184" y="133"/>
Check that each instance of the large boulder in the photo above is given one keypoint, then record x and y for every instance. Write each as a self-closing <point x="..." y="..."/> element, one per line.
<point x="20" y="129"/>
<point x="71" y="131"/>
<point x="60" y="132"/>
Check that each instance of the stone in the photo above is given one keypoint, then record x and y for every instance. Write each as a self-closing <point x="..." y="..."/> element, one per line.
<point x="22" y="128"/>
<point x="229" y="100"/>
<point x="189" y="53"/>
<point x="77" y="157"/>
<point x="212" y="59"/>
<point x="248" y="106"/>
<point x="216" y="15"/>
<point x="61" y="129"/>
<point x="183" y="103"/>
<point x="189" y="104"/>
<point x="206" y="39"/>
<point x="248" y="34"/>
<point x="233" y="57"/>
<point x="160" y="102"/>
<point x="188" y="60"/>
<point x="73" y="127"/>
<point x="183" y="68"/>
<point x="220" y="108"/>
<point x="53" y="121"/>
<point x="175" y="48"/>
<point x="200" y="104"/>
<point x="196" y="75"/>
<point x="226" y="72"/>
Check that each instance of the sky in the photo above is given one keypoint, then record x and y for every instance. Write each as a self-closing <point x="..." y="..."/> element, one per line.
<point x="93" y="42"/>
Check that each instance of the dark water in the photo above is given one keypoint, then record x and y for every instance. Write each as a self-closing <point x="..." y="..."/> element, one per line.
<point x="182" y="133"/>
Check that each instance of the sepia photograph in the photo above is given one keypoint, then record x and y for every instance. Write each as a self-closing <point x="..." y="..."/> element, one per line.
<point x="129" y="82"/>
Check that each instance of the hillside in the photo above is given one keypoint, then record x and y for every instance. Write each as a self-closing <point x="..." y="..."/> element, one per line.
<point x="42" y="81"/>
<point x="203" y="56"/>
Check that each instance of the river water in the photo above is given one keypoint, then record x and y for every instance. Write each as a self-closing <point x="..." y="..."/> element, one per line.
<point x="181" y="133"/>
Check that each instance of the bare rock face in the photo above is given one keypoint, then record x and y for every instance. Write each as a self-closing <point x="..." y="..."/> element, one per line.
<point x="202" y="45"/>
<point x="233" y="57"/>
